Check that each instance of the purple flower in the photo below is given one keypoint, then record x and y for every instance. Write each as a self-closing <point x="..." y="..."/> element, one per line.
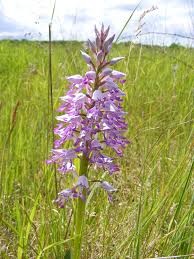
<point x="91" y="75"/>
<point x="91" y="118"/>
<point x="108" y="188"/>
<point x="117" y="74"/>
<point x="83" y="181"/>
<point x="75" y="192"/>
<point x="75" y="79"/>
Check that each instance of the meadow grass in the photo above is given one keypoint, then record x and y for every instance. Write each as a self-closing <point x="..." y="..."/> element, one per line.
<point x="153" y="210"/>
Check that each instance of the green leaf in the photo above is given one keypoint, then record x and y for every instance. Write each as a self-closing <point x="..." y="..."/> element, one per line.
<point x="68" y="254"/>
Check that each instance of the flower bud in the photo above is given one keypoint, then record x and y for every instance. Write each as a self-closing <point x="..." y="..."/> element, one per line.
<point x="100" y="55"/>
<point x="115" y="60"/>
<point x="86" y="57"/>
<point x="108" y="43"/>
<point x="107" y="71"/>
<point x="92" y="46"/>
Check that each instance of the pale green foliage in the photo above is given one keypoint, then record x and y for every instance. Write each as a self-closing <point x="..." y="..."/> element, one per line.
<point x="152" y="212"/>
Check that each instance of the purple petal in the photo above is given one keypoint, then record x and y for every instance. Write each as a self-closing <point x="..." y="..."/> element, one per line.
<point x="79" y="97"/>
<point x="95" y="144"/>
<point x="66" y="193"/>
<point x="117" y="75"/>
<point x="107" y="187"/>
<point x="107" y="71"/>
<point x="65" y="154"/>
<point x="111" y="84"/>
<point x="67" y="167"/>
<point x="97" y="95"/>
<point x="76" y="79"/>
<point x="66" y="117"/>
<point x="91" y="75"/>
<point x="83" y="181"/>
<point x="104" y="126"/>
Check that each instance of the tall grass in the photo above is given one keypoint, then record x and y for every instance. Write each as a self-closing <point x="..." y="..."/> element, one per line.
<point x="153" y="210"/>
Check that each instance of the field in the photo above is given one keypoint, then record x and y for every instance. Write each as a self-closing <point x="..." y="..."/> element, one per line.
<point x="153" y="209"/>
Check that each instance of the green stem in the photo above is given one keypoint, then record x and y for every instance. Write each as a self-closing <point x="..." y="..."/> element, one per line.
<point x="80" y="213"/>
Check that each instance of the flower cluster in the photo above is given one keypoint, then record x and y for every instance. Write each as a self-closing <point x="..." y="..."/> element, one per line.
<point x="92" y="118"/>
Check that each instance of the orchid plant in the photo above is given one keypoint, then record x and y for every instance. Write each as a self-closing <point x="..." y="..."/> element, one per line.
<point x="92" y="119"/>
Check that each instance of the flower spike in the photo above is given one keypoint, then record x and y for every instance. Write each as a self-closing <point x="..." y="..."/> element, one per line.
<point x="91" y="120"/>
